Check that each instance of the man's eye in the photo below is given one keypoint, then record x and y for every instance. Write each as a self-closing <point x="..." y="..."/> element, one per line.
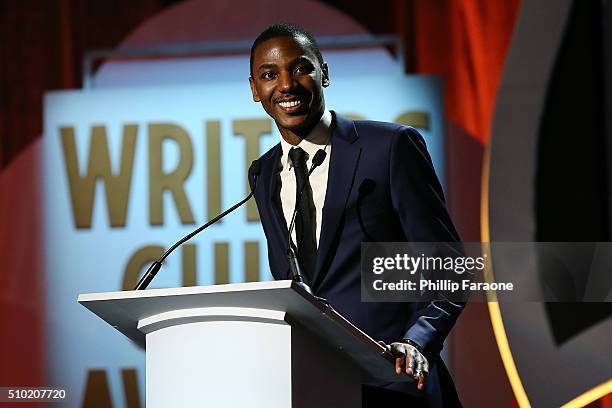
<point x="268" y="75"/>
<point x="303" y="69"/>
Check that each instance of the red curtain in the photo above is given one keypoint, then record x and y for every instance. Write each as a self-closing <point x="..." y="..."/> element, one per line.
<point x="41" y="48"/>
<point x="466" y="41"/>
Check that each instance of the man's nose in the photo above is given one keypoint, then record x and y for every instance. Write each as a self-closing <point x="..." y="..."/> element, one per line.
<point x="286" y="82"/>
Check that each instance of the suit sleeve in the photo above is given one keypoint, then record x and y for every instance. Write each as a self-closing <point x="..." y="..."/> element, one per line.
<point x="418" y="200"/>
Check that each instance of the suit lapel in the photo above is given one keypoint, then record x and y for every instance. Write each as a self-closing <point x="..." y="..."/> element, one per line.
<point x="274" y="193"/>
<point x="343" y="163"/>
<point x="272" y="186"/>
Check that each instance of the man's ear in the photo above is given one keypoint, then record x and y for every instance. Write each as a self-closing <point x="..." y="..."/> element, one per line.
<point x="254" y="90"/>
<point x="325" y="71"/>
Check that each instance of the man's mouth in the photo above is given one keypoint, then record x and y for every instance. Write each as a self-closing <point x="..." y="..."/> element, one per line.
<point x="291" y="106"/>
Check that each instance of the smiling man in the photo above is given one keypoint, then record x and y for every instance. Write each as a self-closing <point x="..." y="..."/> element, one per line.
<point x="375" y="182"/>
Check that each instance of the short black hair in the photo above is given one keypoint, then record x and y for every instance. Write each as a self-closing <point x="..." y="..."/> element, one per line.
<point x="285" y="30"/>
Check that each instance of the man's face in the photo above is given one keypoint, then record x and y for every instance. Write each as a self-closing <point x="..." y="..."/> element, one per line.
<point x="288" y="80"/>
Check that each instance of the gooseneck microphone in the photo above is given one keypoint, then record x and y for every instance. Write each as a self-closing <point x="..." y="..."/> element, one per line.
<point x="146" y="279"/>
<point x="296" y="272"/>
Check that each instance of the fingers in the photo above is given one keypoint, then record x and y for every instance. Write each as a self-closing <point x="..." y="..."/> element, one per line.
<point x="399" y="364"/>
<point x="421" y="379"/>
<point x="421" y="371"/>
<point x="419" y="375"/>
<point x="399" y="352"/>
<point x="410" y="362"/>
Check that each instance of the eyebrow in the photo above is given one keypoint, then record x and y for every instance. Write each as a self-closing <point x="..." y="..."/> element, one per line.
<point x="262" y="66"/>
<point x="302" y="58"/>
<point x="297" y="60"/>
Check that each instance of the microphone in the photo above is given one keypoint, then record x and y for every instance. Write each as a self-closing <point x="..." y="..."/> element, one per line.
<point x="296" y="272"/>
<point x="146" y="279"/>
<point x="317" y="160"/>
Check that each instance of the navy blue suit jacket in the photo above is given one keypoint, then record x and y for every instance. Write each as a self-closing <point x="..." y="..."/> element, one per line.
<point x="381" y="187"/>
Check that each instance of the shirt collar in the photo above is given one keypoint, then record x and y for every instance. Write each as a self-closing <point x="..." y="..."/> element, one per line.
<point x="317" y="139"/>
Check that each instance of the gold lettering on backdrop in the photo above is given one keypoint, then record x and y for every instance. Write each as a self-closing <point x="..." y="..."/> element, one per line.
<point x="252" y="130"/>
<point x="130" y="387"/>
<point x="221" y="263"/>
<point x="117" y="187"/>
<point x="140" y="258"/>
<point x="97" y="391"/>
<point x="251" y="261"/>
<point x="172" y="181"/>
<point x="213" y="168"/>
<point x="189" y="264"/>
<point x="415" y="119"/>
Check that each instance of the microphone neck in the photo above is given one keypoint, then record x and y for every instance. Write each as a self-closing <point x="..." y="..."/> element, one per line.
<point x="146" y="279"/>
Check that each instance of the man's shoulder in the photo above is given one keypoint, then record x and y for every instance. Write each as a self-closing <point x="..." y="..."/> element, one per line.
<point x="377" y="131"/>
<point x="376" y="128"/>
<point x="270" y="154"/>
<point x="265" y="163"/>
<point x="377" y="136"/>
<point x="374" y="125"/>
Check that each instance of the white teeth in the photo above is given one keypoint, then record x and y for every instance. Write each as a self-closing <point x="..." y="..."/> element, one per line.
<point x="289" y="104"/>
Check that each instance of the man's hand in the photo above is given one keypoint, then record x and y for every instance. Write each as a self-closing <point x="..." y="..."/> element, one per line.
<point x="409" y="359"/>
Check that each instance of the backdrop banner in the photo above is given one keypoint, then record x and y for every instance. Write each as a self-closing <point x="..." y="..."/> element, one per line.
<point x="127" y="172"/>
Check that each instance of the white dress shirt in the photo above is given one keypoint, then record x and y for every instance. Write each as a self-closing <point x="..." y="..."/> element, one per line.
<point x="318" y="138"/>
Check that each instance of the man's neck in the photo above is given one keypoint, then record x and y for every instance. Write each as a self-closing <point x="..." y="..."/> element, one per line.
<point x="291" y="137"/>
<point x="295" y="137"/>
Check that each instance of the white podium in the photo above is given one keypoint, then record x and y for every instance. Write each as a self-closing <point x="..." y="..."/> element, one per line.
<point x="261" y="344"/>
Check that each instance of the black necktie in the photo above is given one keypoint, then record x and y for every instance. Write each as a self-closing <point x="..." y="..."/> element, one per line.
<point x="305" y="231"/>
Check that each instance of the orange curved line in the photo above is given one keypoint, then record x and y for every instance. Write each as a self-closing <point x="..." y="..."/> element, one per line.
<point x="591" y="395"/>
<point x="494" y="311"/>
<point x="497" y="322"/>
